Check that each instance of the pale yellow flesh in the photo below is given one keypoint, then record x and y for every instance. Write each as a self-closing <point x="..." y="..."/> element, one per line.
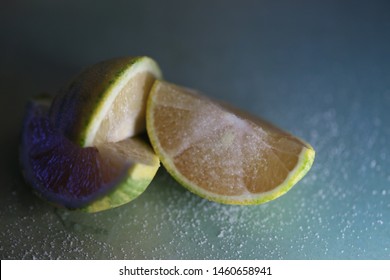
<point x="120" y="113"/>
<point x="221" y="155"/>
<point x="126" y="116"/>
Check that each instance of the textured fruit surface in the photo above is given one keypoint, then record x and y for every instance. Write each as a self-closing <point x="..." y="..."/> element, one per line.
<point x="106" y="101"/>
<point x="222" y="153"/>
<point x="92" y="178"/>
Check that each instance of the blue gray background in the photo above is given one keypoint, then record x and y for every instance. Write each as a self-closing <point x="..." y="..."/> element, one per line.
<point x="319" y="69"/>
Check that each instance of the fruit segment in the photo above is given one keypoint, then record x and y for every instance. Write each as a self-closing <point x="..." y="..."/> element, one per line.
<point x="67" y="175"/>
<point x="84" y="150"/>
<point x="105" y="102"/>
<point x="221" y="153"/>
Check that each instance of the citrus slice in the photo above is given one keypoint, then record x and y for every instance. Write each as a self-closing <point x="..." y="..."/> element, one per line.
<point x="106" y="102"/>
<point x="220" y="153"/>
<point x="78" y="152"/>
<point x="92" y="178"/>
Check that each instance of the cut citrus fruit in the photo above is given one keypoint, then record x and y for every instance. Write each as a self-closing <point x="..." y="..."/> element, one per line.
<point x="105" y="102"/>
<point x="78" y="152"/>
<point x="221" y="153"/>
<point x="93" y="178"/>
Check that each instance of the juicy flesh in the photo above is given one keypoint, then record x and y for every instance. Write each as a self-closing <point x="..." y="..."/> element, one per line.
<point x="126" y="116"/>
<point x="220" y="151"/>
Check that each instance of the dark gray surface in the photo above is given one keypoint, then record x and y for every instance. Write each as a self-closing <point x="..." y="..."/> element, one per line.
<point x="320" y="69"/>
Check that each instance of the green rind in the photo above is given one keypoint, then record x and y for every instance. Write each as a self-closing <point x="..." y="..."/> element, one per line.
<point x="127" y="190"/>
<point x="76" y="106"/>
